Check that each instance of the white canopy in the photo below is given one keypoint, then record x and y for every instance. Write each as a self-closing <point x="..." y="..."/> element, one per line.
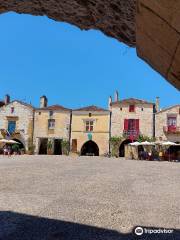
<point x="168" y="144"/>
<point x="146" y="143"/>
<point x="135" y="144"/>
<point x="8" y="141"/>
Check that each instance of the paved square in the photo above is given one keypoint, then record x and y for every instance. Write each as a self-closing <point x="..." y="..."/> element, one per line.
<point x="51" y="197"/>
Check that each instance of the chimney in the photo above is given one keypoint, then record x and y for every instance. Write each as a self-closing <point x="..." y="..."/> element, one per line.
<point x="43" y="102"/>
<point x="109" y="103"/>
<point x="6" y="99"/>
<point x="157" y="104"/>
<point x="116" y="97"/>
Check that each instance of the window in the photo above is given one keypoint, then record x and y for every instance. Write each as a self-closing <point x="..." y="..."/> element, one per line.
<point x="50" y="113"/>
<point x="142" y="109"/>
<point x="39" y="113"/>
<point x="171" y="121"/>
<point x="90" y="114"/>
<point x="51" y="123"/>
<point x="89" y="126"/>
<point x="120" y="109"/>
<point x="11" y="126"/>
<point x="131" y="108"/>
<point x="12" y="109"/>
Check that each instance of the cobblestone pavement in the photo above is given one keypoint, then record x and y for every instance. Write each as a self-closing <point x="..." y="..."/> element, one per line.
<point x="86" y="198"/>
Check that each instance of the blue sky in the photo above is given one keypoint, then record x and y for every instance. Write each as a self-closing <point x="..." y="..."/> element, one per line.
<point x="71" y="67"/>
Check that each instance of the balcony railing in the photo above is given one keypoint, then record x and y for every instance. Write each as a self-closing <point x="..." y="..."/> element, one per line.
<point x="131" y="133"/>
<point x="171" y="129"/>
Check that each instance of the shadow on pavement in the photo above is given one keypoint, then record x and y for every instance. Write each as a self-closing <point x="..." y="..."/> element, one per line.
<point x="16" y="226"/>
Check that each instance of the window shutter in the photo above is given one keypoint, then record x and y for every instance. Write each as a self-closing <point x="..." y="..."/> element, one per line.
<point x="137" y="124"/>
<point x="125" y="124"/>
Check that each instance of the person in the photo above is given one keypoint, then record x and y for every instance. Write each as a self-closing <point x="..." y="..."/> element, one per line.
<point x="9" y="150"/>
<point x="5" y="150"/>
<point x="149" y="156"/>
<point x="160" y="155"/>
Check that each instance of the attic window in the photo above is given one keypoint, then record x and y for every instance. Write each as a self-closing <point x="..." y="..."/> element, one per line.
<point x="12" y="109"/>
<point x="131" y="108"/>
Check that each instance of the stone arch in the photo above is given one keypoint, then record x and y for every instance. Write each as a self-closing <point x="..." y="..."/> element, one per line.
<point x="143" y="24"/>
<point x="21" y="143"/>
<point x="90" y="148"/>
<point x="122" y="147"/>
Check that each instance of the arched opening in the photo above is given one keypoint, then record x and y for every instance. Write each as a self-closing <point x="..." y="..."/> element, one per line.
<point x="17" y="148"/>
<point x="90" y="148"/>
<point x="122" y="147"/>
<point x="43" y="146"/>
<point x="57" y="147"/>
<point x="20" y="144"/>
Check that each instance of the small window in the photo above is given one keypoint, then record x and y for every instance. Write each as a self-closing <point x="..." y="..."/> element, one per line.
<point x="90" y="114"/>
<point x="89" y="126"/>
<point x="142" y="109"/>
<point x="131" y="108"/>
<point x="11" y="126"/>
<point x="51" y="123"/>
<point x="12" y="109"/>
<point x="120" y="109"/>
<point x="51" y="113"/>
<point x="39" y="113"/>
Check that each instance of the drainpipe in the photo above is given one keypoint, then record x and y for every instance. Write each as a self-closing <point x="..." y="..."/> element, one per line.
<point x="110" y="124"/>
<point x="33" y="127"/>
<point x="70" y="127"/>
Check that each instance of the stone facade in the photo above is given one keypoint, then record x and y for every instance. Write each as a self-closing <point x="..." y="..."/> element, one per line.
<point x="100" y="133"/>
<point x="22" y="117"/>
<point x="164" y="130"/>
<point x="51" y="123"/>
<point x="143" y="111"/>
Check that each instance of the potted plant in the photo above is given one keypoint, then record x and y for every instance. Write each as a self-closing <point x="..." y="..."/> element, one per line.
<point x="65" y="147"/>
<point x="49" y="147"/>
<point x="15" y="149"/>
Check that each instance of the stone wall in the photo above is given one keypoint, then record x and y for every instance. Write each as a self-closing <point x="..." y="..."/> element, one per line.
<point x="23" y="115"/>
<point x="161" y="121"/>
<point x="100" y="135"/>
<point x="145" y="118"/>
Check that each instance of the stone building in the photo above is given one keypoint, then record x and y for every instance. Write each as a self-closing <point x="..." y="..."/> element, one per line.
<point x="167" y="124"/>
<point x="90" y="131"/>
<point x="51" y="127"/>
<point x="16" y="122"/>
<point x="130" y="118"/>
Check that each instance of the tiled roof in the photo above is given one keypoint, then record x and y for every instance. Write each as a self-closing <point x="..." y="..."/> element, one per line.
<point x="91" y="109"/>
<point x="20" y="102"/>
<point x="54" y="108"/>
<point x="168" y="108"/>
<point x="131" y="101"/>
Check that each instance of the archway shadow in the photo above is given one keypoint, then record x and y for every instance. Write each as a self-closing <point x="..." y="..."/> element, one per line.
<point x="16" y="226"/>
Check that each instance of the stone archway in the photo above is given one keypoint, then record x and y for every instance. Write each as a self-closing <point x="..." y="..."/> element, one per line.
<point x="122" y="147"/>
<point x="150" y="26"/>
<point x="90" y="148"/>
<point x="20" y="143"/>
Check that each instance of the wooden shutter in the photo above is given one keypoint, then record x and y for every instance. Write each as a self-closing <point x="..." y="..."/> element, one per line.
<point x="137" y="124"/>
<point x="126" y="124"/>
<point x="74" y="145"/>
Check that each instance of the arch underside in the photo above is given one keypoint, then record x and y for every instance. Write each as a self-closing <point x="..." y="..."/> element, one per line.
<point x="90" y="148"/>
<point x="153" y="27"/>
